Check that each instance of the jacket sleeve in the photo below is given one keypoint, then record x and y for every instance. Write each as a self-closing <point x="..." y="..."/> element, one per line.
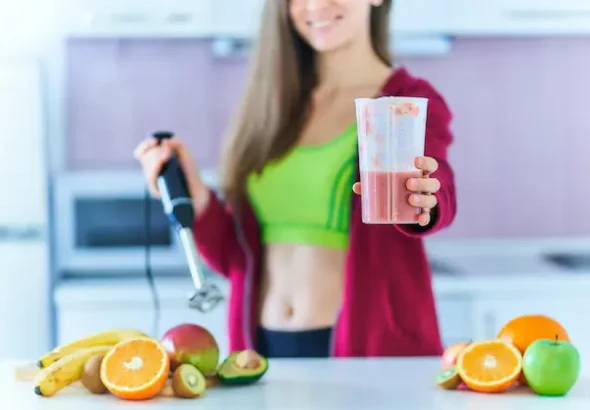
<point x="216" y="238"/>
<point x="437" y="141"/>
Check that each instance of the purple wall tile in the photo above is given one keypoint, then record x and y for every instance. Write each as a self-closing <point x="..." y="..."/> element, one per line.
<point x="521" y="127"/>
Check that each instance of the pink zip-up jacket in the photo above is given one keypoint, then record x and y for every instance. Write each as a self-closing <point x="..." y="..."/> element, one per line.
<point x="388" y="306"/>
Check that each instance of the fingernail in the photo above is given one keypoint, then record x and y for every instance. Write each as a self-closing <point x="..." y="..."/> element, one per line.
<point x="416" y="199"/>
<point x="413" y="183"/>
<point x="420" y="161"/>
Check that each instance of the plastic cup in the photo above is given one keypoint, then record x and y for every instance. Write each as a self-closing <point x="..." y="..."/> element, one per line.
<point x="391" y="134"/>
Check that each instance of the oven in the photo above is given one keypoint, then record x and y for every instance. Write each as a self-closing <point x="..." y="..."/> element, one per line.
<point x="101" y="225"/>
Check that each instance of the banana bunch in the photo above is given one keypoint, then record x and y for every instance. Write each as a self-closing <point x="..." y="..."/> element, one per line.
<point x="65" y="371"/>
<point x="64" y="364"/>
<point x="108" y="338"/>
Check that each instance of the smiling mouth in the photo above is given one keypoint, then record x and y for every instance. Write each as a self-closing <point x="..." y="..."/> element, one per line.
<point x="318" y="24"/>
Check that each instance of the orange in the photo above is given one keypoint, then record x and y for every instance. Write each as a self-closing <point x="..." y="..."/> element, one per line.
<point x="490" y="366"/>
<point x="524" y="330"/>
<point x="135" y="369"/>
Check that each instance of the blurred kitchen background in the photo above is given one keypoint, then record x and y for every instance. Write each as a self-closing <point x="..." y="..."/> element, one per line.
<point x="83" y="81"/>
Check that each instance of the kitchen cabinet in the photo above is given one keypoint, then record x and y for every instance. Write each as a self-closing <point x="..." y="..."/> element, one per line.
<point x="417" y="17"/>
<point x="455" y="317"/>
<point x="86" y="320"/>
<point x="24" y="255"/>
<point x="491" y="313"/>
<point x="239" y="19"/>
<point x="79" y="316"/>
<point x="135" y="18"/>
<point x="473" y="312"/>
<point x="421" y="17"/>
<point x="24" y="298"/>
<point x="82" y="319"/>
<point x="22" y="157"/>
<point x="26" y="26"/>
<point x="520" y="17"/>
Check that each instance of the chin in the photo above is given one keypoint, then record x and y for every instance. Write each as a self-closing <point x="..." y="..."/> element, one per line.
<point x="326" y="45"/>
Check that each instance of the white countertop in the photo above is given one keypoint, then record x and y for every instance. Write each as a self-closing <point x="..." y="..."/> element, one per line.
<point x="342" y="384"/>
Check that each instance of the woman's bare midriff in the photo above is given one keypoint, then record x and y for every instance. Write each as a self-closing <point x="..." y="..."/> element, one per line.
<point x="301" y="287"/>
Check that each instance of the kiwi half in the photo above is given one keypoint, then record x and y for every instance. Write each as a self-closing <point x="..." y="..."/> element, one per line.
<point x="188" y="381"/>
<point x="448" y="379"/>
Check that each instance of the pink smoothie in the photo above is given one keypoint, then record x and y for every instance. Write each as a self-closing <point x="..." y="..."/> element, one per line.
<point x="385" y="197"/>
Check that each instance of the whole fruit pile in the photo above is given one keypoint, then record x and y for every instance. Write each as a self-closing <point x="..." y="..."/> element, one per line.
<point x="530" y="350"/>
<point x="132" y="366"/>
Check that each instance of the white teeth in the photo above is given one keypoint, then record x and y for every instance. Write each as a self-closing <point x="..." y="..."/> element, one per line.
<point x="320" y="24"/>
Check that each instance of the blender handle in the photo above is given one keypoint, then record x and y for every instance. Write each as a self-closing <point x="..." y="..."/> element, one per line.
<point x="173" y="188"/>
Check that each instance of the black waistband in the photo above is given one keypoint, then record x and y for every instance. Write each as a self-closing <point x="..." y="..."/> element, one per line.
<point x="305" y="343"/>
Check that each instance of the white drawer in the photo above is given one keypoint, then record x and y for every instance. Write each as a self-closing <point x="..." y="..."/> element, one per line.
<point x="454" y="318"/>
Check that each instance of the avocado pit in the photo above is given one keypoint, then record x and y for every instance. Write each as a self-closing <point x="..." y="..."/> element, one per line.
<point x="248" y="359"/>
<point x="243" y="367"/>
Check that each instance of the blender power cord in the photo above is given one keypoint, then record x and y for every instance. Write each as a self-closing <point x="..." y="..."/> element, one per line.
<point x="148" y="265"/>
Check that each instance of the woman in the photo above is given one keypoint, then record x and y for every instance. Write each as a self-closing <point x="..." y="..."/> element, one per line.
<point x="308" y="278"/>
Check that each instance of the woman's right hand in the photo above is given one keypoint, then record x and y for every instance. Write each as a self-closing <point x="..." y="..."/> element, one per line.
<point x="152" y="157"/>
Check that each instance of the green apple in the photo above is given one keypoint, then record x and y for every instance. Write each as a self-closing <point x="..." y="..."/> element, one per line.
<point x="551" y="367"/>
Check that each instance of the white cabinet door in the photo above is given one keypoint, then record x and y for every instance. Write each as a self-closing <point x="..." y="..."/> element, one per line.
<point x="236" y="18"/>
<point x="24" y="261"/>
<point x="421" y="16"/>
<point x="454" y="318"/>
<point x="521" y="17"/>
<point x="22" y="156"/>
<point x="116" y="18"/>
<point x="79" y="321"/>
<point x="491" y="314"/>
<point x="26" y="26"/>
<point x="24" y="283"/>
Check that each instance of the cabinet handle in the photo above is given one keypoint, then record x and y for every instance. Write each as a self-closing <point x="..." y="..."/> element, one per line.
<point x="489" y="323"/>
<point x="532" y="15"/>
<point x="21" y="233"/>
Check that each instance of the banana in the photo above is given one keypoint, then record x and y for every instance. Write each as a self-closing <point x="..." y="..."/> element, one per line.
<point x="65" y="371"/>
<point x="110" y="337"/>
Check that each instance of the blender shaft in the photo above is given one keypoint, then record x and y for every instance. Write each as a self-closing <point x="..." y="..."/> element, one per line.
<point x="192" y="257"/>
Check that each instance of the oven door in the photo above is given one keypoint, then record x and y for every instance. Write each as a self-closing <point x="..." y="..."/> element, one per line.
<point x="101" y="227"/>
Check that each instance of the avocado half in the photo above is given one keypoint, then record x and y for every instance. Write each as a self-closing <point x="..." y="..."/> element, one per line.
<point x="229" y="373"/>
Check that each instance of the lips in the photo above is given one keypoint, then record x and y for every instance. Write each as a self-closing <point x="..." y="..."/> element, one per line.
<point x="324" y="23"/>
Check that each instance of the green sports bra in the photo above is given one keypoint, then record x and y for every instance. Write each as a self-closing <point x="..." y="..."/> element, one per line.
<point x="305" y="196"/>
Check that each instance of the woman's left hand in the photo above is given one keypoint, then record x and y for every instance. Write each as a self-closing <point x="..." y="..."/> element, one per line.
<point x="423" y="189"/>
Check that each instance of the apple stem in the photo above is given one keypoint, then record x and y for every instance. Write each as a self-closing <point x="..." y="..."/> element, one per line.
<point x="556" y="337"/>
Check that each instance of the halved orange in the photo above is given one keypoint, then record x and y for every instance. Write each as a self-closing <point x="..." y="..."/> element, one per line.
<point x="490" y="366"/>
<point x="135" y="369"/>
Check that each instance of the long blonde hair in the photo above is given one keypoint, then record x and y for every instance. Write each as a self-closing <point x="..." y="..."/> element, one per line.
<point x="276" y="101"/>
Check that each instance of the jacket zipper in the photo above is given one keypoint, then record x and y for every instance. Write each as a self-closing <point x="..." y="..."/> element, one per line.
<point x="247" y="284"/>
<point x="332" y="351"/>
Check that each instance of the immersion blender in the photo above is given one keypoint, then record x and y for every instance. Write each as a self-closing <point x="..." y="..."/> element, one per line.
<point x="178" y="206"/>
